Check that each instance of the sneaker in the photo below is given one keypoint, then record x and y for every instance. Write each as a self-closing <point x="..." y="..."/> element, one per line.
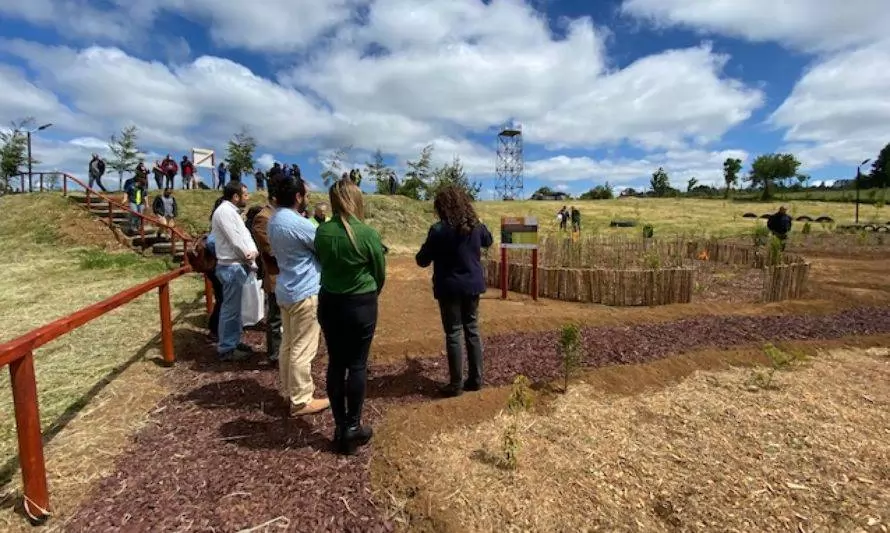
<point x="235" y="355"/>
<point x="314" y="407"/>
<point x="245" y="347"/>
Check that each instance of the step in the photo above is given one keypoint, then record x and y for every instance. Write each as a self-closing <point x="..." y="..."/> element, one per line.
<point x="163" y="248"/>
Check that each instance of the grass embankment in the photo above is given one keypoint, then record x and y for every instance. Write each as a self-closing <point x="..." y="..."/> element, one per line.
<point x="403" y="222"/>
<point x="56" y="261"/>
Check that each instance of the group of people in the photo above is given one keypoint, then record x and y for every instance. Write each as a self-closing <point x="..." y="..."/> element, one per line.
<point x="164" y="172"/>
<point x="323" y="276"/>
<point x="564" y="215"/>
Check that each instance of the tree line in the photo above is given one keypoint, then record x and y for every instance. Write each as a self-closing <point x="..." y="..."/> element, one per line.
<point x="768" y="173"/>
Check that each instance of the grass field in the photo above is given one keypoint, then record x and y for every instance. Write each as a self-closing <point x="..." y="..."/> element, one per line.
<point x="403" y="223"/>
<point x="57" y="261"/>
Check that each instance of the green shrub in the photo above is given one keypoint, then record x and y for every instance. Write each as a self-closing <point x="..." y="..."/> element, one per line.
<point x="570" y="350"/>
<point x="648" y="231"/>
<point x="807" y="229"/>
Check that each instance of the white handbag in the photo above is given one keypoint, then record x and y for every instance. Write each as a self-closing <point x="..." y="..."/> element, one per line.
<point x="253" y="301"/>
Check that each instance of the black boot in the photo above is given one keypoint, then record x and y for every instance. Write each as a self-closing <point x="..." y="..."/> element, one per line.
<point x="352" y="438"/>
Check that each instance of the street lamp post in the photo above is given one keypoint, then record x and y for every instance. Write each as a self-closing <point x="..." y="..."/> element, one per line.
<point x="858" y="174"/>
<point x="30" y="171"/>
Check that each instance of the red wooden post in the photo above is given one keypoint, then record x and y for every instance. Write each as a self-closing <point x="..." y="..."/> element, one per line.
<point x="166" y="325"/>
<point x="208" y="293"/>
<point x="142" y="231"/>
<point x="503" y="272"/>
<point x="534" y="274"/>
<point x="27" y="421"/>
<point x="172" y="243"/>
<point x="89" y="202"/>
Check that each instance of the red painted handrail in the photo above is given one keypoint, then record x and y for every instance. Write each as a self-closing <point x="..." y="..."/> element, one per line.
<point x="19" y="355"/>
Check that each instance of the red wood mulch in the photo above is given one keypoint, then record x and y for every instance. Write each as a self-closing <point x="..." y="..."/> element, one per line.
<point x="218" y="456"/>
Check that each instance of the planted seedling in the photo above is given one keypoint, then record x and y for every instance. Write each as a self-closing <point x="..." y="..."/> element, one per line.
<point x="570" y="351"/>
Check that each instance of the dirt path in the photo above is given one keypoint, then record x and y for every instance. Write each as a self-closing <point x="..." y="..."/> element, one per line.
<point x="217" y="454"/>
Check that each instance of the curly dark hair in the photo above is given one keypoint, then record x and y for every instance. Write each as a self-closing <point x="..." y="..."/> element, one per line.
<point x="455" y="207"/>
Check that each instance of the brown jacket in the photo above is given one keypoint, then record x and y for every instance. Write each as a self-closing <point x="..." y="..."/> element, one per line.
<point x="261" y="236"/>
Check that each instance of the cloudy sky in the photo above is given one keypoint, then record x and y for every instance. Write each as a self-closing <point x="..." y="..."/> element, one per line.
<point x="605" y="93"/>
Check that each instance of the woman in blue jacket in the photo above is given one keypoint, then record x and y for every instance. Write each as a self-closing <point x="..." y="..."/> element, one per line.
<point x="454" y="247"/>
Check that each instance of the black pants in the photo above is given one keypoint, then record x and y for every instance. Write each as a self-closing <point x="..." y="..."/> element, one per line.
<point x="98" y="181"/>
<point x="273" y="326"/>
<point x="460" y="314"/>
<point x="213" y="322"/>
<point x="170" y="179"/>
<point x="348" y="322"/>
<point x="159" y="179"/>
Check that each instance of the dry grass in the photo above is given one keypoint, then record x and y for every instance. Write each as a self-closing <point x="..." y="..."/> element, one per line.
<point x="403" y="222"/>
<point x="811" y="454"/>
<point x="60" y="261"/>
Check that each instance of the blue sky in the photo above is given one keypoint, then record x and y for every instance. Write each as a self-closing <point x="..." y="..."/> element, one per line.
<point x="604" y="93"/>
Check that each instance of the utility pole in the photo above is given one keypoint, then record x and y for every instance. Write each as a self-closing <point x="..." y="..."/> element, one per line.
<point x="30" y="170"/>
<point x="858" y="175"/>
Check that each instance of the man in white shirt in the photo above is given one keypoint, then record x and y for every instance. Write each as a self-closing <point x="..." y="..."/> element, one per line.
<point x="235" y="255"/>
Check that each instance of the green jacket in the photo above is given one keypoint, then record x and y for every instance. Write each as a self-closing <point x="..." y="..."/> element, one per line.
<point x="345" y="270"/>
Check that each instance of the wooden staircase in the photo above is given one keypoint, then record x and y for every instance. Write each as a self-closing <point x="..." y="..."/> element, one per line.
<point x="146" y="241"/>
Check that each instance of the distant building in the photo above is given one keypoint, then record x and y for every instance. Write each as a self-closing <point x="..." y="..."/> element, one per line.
<point x="552" y="196"/>
<point x="843" y="184"/>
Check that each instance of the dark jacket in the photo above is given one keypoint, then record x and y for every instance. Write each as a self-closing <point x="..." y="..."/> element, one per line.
<point x="779" y="223"/>
<point x="157" y="206"/>
<point x="456" y="259"/>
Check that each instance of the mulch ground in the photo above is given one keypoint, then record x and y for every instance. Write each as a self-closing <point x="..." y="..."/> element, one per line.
<point x="219" y="456"/>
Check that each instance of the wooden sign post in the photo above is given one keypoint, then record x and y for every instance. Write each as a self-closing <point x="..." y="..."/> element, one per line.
<point x="519" y="233"/>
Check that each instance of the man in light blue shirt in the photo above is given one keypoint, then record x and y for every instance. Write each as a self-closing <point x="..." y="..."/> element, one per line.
<point x="292" y="238"/>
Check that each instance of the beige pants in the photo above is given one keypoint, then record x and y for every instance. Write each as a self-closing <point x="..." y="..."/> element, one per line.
<point x="299" y="344"/>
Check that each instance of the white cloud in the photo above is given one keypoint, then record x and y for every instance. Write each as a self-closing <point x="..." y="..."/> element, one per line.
<point x="811" y="25"/>
<point x="265" y="161"/>
<point x="261" y="25"/>
<point x="838" y="111"/>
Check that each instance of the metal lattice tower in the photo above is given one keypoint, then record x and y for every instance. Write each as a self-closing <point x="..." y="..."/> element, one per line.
<point x="510" y="163"/>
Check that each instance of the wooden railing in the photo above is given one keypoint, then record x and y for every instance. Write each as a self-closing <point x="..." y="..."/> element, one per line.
<point x="19" y="355"/>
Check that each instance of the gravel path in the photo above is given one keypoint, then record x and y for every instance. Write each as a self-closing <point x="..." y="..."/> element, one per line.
<point x="219" y="456"/>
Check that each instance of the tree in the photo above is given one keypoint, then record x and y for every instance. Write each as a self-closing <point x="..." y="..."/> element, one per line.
<point x="453" y="174"/>
<point x="731" y="169"/>
<point x="693" y="181"/>
<point x="239" y="154"/>
<point x="880" y="169"/>
<point x="125" y="154"/>
<point x="600" y="192"/>
<point x="419" y="176"/>
<point x="380" y="173"/>
<point x="660" y="183"/>
<point x="14" y="151"/>
<point x="768" y="169"/>
<point x="334" y="166"/>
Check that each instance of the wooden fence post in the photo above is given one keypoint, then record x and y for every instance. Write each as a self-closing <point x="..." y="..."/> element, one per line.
<point x="27" y="421"/>
<point x="503" y="273"/>
<point x="534" y="274"/>
<point x="166" y="325"/>
<point x="64" y="185"/>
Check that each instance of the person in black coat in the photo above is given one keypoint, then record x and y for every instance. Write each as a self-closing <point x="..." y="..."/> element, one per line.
<point x="779" y="225"/>
<point x="454" y="248"/>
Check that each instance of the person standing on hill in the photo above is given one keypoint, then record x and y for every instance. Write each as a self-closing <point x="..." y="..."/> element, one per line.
<point x="576" y="220"/>
<point x="164" y="207"/>
<point x="135" y="190"/>
<point x="235" y="255"/>
<point x="96" y="171"/>
<point x="188" y="173"/>
<point x="454" y="247"/>
<point x="221" y="174"/>
<point x="170" y="169"/>
<point x="353" y="272"/>
<point x="260" y="231"/>
<point x="158" y="172"/>
<point x="563" y="215"/>
<point x="260" y="180"/>
<point x="292" y="239"/>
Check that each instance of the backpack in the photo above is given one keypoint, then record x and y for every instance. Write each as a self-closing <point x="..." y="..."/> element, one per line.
<point x="200" y="257"/>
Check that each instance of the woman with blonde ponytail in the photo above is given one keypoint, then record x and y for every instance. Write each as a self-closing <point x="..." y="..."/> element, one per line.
<point x="353" y="271"/>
